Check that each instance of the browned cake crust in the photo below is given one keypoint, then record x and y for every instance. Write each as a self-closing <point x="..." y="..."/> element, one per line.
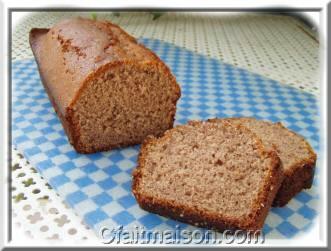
<point x="76" y="57"/>
<point x="201" y="218"/>
<point x="298" y="176"/>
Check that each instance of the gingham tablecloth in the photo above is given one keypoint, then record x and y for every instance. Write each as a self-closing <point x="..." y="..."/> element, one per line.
<point x="98" y="186"/>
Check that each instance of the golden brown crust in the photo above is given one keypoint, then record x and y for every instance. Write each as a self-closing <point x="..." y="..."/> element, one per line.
<point x="201" y="218"/>
<point x="34" y="36"/>
<point x="300" y="176"/>
<point x="34" y="39"/>
<point x="64" y="98"/>
<point x="293" y="184"/>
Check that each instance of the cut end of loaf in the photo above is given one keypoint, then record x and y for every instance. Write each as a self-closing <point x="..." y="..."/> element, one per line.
<point x="209" y="175"/>
<point x="107" y="89"/>
<point x="122" y="104"/>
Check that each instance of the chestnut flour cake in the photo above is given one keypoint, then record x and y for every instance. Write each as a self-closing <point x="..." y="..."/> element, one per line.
<point x="214" y="175"/>
<point x="297" y="156"/>
<point x="107" y="89"/>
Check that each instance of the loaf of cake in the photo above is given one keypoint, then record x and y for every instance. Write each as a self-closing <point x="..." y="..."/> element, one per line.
<point x="213" y="175"/>
<point x="108" y="90"/>
<point x="297" y="156"/>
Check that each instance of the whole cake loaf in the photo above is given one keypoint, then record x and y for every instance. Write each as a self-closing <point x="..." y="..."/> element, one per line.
<point x="108" y="90"/>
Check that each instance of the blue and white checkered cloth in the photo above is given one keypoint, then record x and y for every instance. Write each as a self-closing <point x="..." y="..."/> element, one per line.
<point x="98" y="186"/>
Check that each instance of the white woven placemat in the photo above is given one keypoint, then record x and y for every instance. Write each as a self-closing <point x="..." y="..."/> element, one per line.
<point x="278" y="47"/>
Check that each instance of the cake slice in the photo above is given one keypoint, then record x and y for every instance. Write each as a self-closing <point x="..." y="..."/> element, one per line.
<point x="297" y="156"/>
<point x="213" y="175"/>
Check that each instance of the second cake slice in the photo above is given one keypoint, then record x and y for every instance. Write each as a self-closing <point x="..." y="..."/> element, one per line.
<point x="297" y="156"/>
<point x="214" y="175"/>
